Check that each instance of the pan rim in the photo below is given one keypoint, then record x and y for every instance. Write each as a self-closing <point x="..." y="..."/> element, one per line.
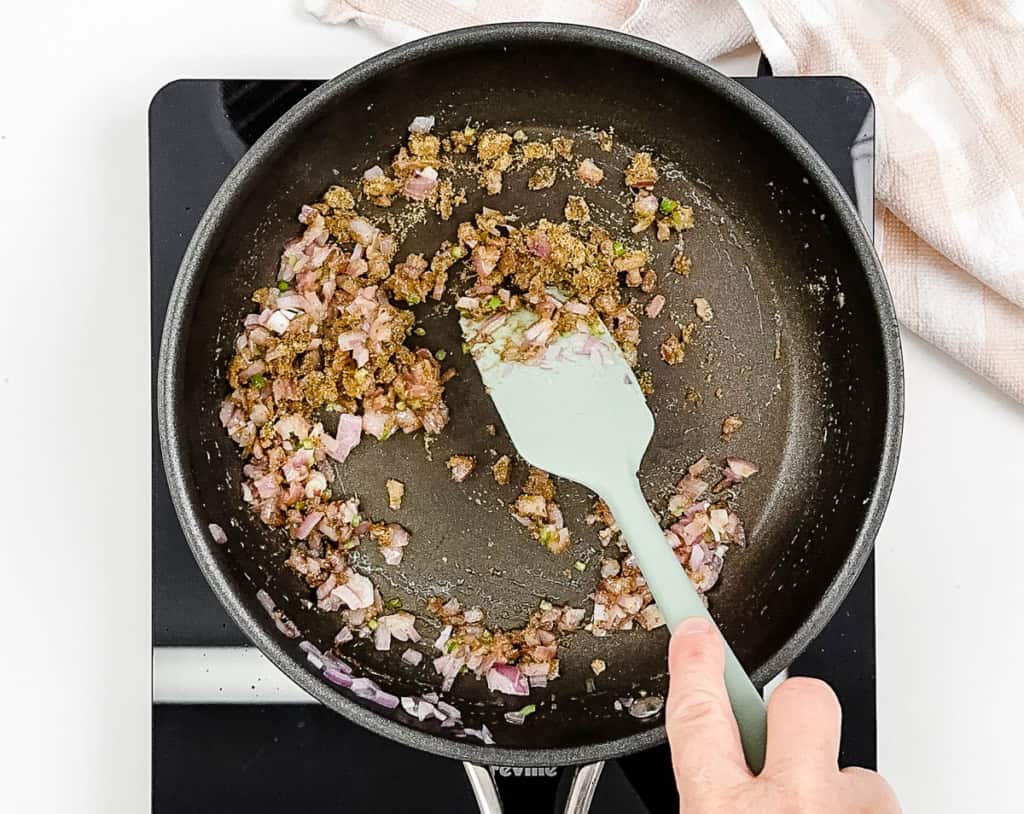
<point x="244" y="175"/>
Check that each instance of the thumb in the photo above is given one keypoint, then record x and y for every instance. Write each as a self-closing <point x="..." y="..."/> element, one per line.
<point x="702" y="731"/>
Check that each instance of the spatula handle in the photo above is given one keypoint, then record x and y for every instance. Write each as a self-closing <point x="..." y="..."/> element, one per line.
<point x="677" y="599"/>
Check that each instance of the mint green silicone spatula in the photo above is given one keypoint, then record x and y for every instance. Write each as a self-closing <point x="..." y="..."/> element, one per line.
<point x="579" y="413"/>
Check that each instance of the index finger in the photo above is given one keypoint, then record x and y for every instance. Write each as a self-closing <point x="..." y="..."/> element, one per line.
<point x="702" y="731"/>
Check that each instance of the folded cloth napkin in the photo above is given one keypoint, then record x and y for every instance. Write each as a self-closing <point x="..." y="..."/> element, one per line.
<point x="947" y="78"/>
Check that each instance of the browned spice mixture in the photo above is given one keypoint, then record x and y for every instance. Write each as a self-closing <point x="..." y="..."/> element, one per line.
<point x="501" y="469"/>
<point x="543" y="178"/>
<point x="576" y="210"/>
<point x="641" y="173"/>
<point x="466" y="642"/>
<point x="396" y="491"/>
<point x="461" y="467"/>
<point x="700" y="527"/>
<point x="730" y="424"/>
<point x="323" y="361"/>
<point x="536" y="509"/>
<point x="515" y="266"/>
<point x="536" y="150"/>
<point x="703" y="309"/>
<point x="562" y="147"/>
<point x="673" y="349"/>
<point x="681" y="264"/>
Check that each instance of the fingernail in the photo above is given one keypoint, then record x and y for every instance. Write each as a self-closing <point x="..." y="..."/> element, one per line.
<point x="695" y="626"/>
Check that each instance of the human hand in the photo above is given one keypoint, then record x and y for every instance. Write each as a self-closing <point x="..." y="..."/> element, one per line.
<point x="801" y="773"/>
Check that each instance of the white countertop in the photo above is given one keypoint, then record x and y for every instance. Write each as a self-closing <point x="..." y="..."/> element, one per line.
<point x="76" y="80"/>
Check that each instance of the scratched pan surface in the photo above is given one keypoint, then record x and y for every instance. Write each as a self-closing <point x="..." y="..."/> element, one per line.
<point x="802" y="346"/>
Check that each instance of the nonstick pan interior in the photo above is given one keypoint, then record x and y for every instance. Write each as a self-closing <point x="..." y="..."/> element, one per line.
<point x="801" y="347"/>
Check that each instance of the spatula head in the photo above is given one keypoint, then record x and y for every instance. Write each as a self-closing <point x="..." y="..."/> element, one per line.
<point x="578" y="412"/>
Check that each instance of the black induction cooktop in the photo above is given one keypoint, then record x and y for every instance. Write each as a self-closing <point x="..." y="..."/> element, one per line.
<point x="270" y="758"/>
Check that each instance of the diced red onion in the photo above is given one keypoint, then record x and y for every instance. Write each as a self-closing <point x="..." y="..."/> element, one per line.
<point x="363" y="232"/>
<point x="539" y="332"/>
<point x="650" y="618"/>
<point x="483" y="733"/>
<point x="338" y="677"/>
<point x="350" y="340"/>
<point x="419" y="185"/>
<point x="316" y="484"/>
<point x="410" y="705"/>
<point x="356" y="592"/>
<point x="343" y="636"/>
<point x="655" y="305"/>
<point x="467" y="303"/>
<point x="308" y="524"/>
<point x="448" y="710"/>
<point x="717" y="520"/>
<point x="335" y="663"/>
<point x="373" y="173"/>
<point x="507" y="679"/>
<point x="646" y="205"/>
<point x="421" y="124"/>
<point x="448" y="667"/>
<point x="309" y="647"/>
<point x="350" y="429"/>
<point x="374" y="423"/>
<point x="491" y="323"/>
<point x="365" y="687"/>
<point x="540" y="244"/>
<point x="218" y="534"/>
<point x="442" y="640"/>
<point x="452" y="606"/>
<point x="265" y="600"/>
<point x="413" y="657"/>
<point x="739" y="469"/>
<point x="401" y="625"/>
<point x="589" y="173"/>
<point x="278" y="322"/>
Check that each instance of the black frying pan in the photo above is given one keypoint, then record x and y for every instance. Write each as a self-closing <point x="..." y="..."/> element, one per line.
<point x="804" y="346"/>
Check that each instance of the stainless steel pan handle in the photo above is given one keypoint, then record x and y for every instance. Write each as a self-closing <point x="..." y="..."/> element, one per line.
<point x="581" y="792"/>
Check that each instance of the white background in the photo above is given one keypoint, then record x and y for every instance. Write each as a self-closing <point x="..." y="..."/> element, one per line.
<point x="75" y="81"/>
